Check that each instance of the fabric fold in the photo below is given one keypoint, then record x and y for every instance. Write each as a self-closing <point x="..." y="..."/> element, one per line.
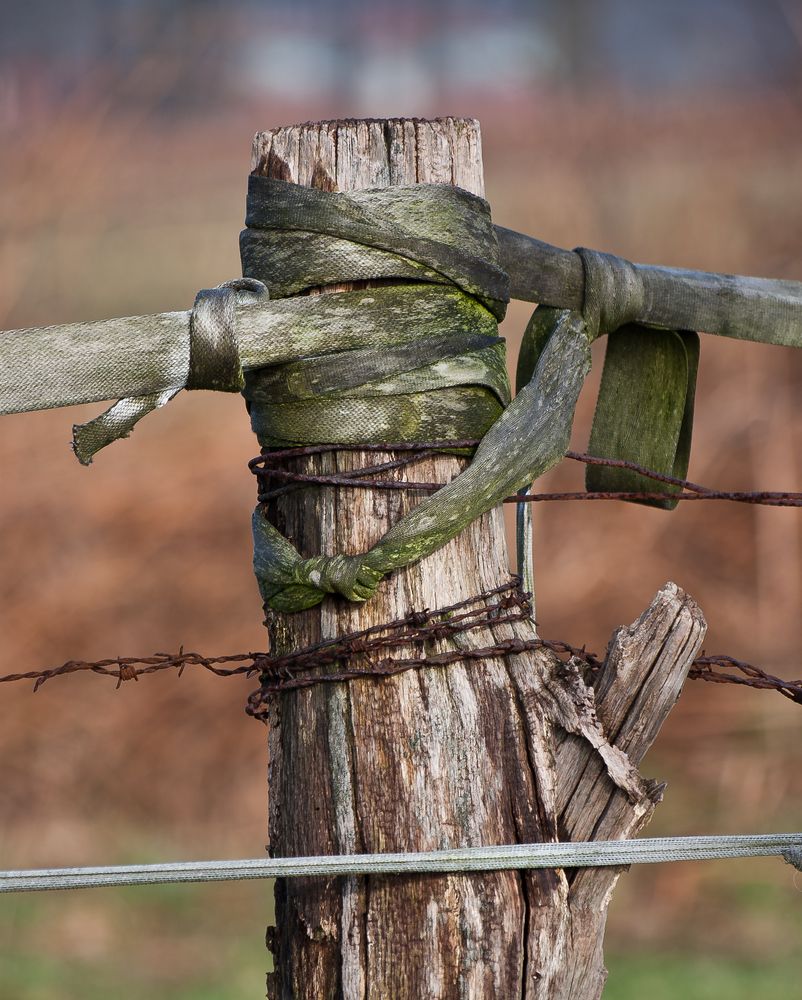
<point x="644" y="412"/>
<point x="213" y="362"/>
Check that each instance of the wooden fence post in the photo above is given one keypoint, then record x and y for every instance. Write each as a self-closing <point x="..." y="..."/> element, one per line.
<point x="504" y="750"/>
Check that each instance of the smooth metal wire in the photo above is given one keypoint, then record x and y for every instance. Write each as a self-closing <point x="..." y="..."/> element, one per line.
<point x="591" y="854"/>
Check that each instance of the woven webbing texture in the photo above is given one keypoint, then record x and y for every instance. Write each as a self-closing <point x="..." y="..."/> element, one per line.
<point x="415" y="356"/>
<point x="445" y="384"/>
<point x="213" y="362"/>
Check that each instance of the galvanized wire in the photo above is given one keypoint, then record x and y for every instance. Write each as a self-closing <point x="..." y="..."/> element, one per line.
<point x="585" y="854"/>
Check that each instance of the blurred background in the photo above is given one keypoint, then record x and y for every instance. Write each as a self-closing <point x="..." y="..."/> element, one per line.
<point x="665" y="132"/>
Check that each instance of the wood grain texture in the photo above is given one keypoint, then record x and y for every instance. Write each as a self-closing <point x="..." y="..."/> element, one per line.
<point x="497" y="752"/>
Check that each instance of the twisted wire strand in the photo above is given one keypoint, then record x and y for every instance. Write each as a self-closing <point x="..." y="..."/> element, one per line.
<point x="263" y="466"/>
<point x="299" y="669"/>
<point x="584" y="854"/>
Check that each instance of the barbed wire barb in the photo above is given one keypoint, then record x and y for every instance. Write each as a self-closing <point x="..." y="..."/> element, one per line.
<point x="347" y="657"/>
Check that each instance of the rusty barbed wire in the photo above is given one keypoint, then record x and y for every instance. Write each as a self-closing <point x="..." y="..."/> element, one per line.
<point x="704" y="669"/>
<point x="130" y="668"/>
<point x="265" y="467"/>
<point x="501" y="605"/>
<point x="286" y="673"/>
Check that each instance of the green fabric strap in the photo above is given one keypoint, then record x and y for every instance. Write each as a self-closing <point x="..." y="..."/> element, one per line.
<point x="441" y="378"/>
<point x="213" y="362"/>
<point x="415" y="357"/>
<point x="435" y="382"/>
<point x="421" y="232"/>
<point x="644" y="412"/>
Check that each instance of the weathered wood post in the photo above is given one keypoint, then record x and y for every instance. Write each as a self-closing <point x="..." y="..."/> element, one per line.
<point x="498" y="751"/>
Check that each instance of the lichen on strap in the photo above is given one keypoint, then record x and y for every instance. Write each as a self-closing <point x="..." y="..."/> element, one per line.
<point x="440" y="373"/>
<point x="444" y="378"/>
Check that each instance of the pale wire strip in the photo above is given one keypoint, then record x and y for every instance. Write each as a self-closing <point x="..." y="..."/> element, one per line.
<point x="511" y="856"/>
<point x="525" y="558"/>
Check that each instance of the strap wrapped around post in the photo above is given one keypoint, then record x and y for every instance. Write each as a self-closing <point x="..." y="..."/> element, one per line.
<point x="417" y="356"/>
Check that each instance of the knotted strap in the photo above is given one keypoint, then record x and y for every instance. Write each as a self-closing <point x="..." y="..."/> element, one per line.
<point x="213" y="362"/>
<point x="644" y="413"/>
<point x="613" y="291"/>
<point x="417" y="358"/>
<point x="443" y="378"/>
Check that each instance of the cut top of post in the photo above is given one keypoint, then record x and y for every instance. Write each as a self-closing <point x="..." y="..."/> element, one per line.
<point x="353" y="155"/>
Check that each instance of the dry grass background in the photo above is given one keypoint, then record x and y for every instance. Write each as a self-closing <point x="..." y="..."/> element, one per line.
<point x="103" y="213"/>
